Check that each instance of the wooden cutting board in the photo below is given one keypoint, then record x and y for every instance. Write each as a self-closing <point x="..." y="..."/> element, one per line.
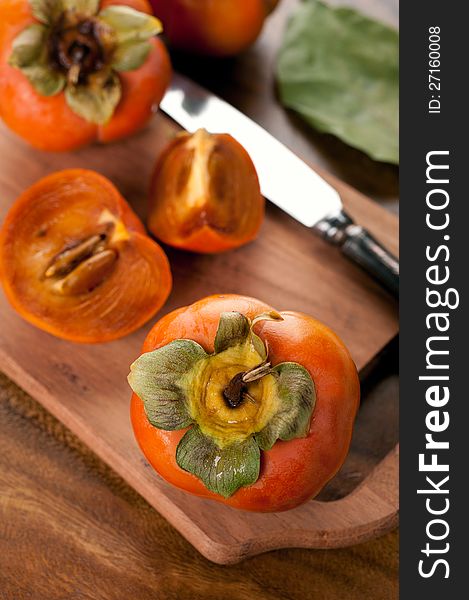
<point x="85" y="386"/>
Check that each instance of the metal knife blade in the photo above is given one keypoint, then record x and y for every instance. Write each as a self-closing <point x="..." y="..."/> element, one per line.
<point x="285" y="179"/>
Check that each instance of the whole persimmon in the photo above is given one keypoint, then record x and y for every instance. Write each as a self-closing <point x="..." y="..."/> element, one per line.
<point x="77" y="71"/>
<point x="205" y="194"/>
<point x="238" y="403"/>
<point x="217" y="28"/>
<point x="76" y="262"/>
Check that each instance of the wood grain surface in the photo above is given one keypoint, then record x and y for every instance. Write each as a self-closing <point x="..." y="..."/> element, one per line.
<point x="59" y="504"/>
<point x="86" y="386"/>
<point x="71" y="529"/>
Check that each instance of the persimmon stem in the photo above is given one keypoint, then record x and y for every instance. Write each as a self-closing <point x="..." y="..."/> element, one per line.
<point x="236" y="391"/>
<point x="257" y="373"/>
<point x="77" y="50"/>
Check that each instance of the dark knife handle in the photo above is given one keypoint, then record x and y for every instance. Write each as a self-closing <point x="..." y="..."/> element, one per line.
<point x="361" y="247"/>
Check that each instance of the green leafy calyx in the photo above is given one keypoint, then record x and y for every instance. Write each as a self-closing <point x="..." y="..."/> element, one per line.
<point x="77" y="49"/>
<point x="234" y="401"/>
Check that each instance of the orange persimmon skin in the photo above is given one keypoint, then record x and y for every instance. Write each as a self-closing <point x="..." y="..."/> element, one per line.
<point x="291" y="472"/>
<point x="226" y="214"/>
<point x="47" y="123"/>
<point x="220" y="28"/>
<point x="57" y="212"/>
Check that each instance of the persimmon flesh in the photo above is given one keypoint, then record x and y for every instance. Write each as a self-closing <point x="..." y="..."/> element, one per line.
<point x="205" y="195"/>
<point x="76" y="262"/>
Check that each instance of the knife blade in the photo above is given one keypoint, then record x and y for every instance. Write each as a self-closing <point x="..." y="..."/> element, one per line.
<point x="285" y="179"/>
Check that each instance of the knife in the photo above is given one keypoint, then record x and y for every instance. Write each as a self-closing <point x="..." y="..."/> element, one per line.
<point x="285" y="179"/>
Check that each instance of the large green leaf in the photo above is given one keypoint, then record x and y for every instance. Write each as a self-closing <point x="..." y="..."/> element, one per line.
<point x="222" y="471"/>
<point x="339" y="70"/>
<point x="297" y="396"/>
<point x="156" y="379"/>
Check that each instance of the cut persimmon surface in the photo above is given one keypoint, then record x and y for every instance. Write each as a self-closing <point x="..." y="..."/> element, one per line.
<point x="76" y="262"/>
<point x="205" y="194"/>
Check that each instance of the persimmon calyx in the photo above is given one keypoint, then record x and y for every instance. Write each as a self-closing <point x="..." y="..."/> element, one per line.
<point x="76" y="49"/>
<point x="235" y="402"/>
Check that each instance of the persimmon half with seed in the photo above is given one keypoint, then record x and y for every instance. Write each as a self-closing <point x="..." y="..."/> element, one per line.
<point x="205" y="194"/>
<point x="76" y="262"/>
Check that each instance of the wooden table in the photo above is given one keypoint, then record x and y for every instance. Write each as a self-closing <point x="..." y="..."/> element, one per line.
<point x="70" y="528"/>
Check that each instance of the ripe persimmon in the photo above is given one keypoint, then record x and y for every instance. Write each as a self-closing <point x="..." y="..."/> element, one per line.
<point x="238" y="403"/>
<point x="77" y="72"/>
<point x="76" y="262"/>
<point x="217" y="28"/>
<point x="205" y="194"/>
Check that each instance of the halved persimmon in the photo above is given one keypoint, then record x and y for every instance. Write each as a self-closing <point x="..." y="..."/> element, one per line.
<point x="205" y="194"/>
<point x="75" y="259"/>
